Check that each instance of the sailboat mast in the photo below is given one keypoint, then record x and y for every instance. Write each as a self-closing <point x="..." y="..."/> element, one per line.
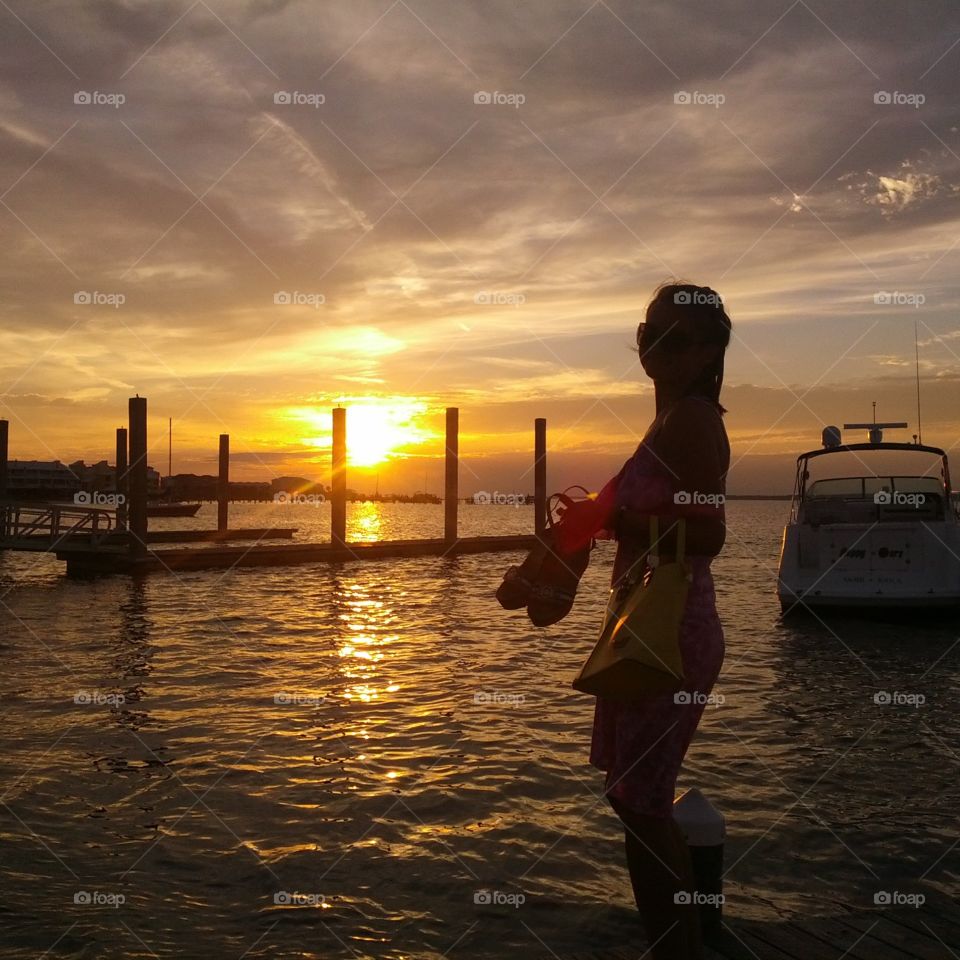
<point x="916" y="351"/>
<point x="169" y="448"/>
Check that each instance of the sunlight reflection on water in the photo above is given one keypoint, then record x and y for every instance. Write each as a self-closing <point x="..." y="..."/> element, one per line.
<point x="383" y="738"/>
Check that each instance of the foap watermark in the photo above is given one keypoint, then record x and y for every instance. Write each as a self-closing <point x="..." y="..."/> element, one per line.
<point x="97" y="698"/>
<point x="896" y="498"/>
<point x="498" y="698"/>
<point x="96" y="98"/>
<point x="295" y="98"/>
<point x="499" y="298"/>
<point x="97" y="499"/>
<point x="688" y="897"/>
<point x="284" y="699"/>
<point x="299" y="499"/>
<point x="697" y="298"/>
<point x="696" y="698"/>
<point x="694" y="498"/>
<point x="291" y="898"/>
<point x="499" y="898"/>
<point x="899" y="698"/>
<point x="898" y="298"/>
<point x="896" y="898"/>
<point x="97" y="298"/>
<point x="483" y="498"/>
<point x="297" y="298"/>
<point x="698" y="98"/>
<point x="897" y="98"/>
<point x="97" y="898"/>
<point x="496" y="98"/>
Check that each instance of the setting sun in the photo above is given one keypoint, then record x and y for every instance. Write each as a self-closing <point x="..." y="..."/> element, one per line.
<point x="378" y="429"/>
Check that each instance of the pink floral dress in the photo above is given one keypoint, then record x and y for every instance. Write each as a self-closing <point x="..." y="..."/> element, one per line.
<point x="642" y="745"/>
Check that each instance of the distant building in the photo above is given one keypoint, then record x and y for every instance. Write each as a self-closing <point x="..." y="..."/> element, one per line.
<point x="192" y="486"/>
<point x="41" y="478"/>
<point x="249" y="490"/>
<point x="101" y="477"/>
<point x="295" y="485"/>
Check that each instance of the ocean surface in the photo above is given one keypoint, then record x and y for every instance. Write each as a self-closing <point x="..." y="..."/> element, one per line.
<point x="336" y="760"/>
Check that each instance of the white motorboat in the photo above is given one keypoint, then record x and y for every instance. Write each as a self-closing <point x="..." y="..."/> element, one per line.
<point x="877" y="529"/>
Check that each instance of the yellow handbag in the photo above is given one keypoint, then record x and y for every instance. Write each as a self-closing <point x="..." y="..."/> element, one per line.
<point x="638" y="652"/>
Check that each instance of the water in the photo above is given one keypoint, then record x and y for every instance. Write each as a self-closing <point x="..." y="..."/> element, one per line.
<point x="447" y="755"/>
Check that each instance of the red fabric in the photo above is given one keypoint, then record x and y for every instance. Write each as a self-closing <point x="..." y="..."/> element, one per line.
<point x="585" y="518"/>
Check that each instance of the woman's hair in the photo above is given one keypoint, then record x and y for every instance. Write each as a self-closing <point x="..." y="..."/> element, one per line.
<point x="672" y="300"/>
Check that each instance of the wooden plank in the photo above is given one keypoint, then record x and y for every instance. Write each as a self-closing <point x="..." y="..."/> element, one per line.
<point x="792" y="941"/>
<point x="751" y="940"/>
<point x="852" y="939"/>
<point x="919" y="923"/>
<point x="902" y="941"/>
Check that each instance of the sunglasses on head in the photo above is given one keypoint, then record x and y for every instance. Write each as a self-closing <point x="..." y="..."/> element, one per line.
<point x="670" y="340"/>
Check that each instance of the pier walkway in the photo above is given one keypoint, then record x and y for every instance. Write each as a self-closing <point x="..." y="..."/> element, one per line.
<point x="930" y="932"/>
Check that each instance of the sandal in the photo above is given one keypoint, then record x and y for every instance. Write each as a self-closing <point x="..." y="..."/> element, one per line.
<point x="518" y="581"/>
<point x="552" y="596"/>
<point x="546" y="582"/>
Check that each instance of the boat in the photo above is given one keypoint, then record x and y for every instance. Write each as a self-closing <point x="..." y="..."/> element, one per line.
<point x="171" y="508"/>
<point x="881" y="536"/>
<point x="167" y="507"/>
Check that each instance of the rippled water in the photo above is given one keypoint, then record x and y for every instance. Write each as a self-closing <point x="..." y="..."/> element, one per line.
<point x="381" y="739"/>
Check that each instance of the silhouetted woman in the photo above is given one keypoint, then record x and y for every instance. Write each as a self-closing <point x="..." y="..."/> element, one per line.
<point x="642" y="745"/>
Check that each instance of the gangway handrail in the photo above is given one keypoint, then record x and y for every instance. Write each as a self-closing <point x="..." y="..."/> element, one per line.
<point x="27" y="521"/>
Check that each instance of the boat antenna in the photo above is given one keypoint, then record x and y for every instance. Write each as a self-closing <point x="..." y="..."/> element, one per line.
<point x="916" y="350"/>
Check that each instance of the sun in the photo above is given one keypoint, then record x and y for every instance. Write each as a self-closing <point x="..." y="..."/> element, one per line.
<point x="378" y="429"/>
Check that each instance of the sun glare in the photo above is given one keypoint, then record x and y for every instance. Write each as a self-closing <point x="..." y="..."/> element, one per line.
<point x="377" y="429"/>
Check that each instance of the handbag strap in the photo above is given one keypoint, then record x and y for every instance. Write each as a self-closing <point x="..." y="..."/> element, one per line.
<point x="653" y="556"/>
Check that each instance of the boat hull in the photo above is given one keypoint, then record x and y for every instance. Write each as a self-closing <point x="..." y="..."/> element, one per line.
<point x="172" y="509"/>
<point x="869" y="566"/>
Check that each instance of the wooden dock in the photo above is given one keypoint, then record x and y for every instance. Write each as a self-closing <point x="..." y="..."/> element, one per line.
<point x="92" y="540"/>
<point x="104" y="559"/>
<point x="929" y="932"/>
<point x="40" y="543"/>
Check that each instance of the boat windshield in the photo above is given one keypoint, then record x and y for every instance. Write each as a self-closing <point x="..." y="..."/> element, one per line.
<point x="868" y="487"/>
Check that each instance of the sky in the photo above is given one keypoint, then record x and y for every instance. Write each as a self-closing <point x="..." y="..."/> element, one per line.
<point x="249" y="212"/>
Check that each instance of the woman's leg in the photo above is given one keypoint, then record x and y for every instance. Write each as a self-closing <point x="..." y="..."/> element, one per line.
<point x="659" y="865"/>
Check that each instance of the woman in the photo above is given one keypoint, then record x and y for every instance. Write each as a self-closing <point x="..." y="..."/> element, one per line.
<point x="679" y="469"/>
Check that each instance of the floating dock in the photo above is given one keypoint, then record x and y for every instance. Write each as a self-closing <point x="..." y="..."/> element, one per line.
<point x="84" y="561"/>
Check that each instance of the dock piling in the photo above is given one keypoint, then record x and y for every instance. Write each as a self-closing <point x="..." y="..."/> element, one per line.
<point x="137" y="478"/>
<point x="4" y="441"/>
<point x="539" y="476"/>
<point x="223" y="482"/>
<point x="338" y="479"/>
<point x="451" y="475"/>
<point x="121" y="478"/>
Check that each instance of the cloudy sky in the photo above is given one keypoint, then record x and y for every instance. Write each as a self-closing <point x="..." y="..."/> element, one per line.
<point x="250" y="211"/>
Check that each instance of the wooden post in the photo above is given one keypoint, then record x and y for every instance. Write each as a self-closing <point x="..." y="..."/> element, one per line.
<point x="451" y="475"/>
<point x="539" y="476"/>
<point x="338" y="479"/>
<point x="121" y="483"/>
<point x="223" y="482"/>
<point x="4" y="440"/>
<point x="137" y="478"/>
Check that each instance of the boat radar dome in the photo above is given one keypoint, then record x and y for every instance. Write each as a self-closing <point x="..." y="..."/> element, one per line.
<point x="831" y="436"/>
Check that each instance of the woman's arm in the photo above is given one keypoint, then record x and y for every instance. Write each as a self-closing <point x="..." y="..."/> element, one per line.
<point x="691" y="448"/>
